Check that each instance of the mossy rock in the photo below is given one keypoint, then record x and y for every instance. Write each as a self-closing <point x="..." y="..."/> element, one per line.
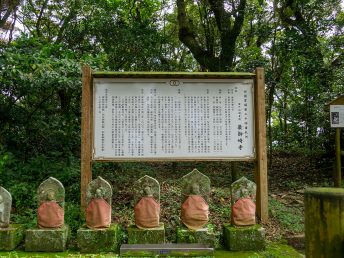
<point x="146" y="236"/>
<point x="100" y="240"/>
<point x="46" y="240"/>
<point x="200" y="236"/>
<point x="250" y="238"/>
<point x="11" y="237"/>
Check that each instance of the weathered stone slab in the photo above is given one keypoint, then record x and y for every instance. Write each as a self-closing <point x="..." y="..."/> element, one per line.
<point x="169" y="250"/>
<point x="243" y="188"/>
<point x="146" y="236"/>
<point x="11" y="237"/>
<point x="146" y="185"/>
<point x="46" y="240"/>
<point x="100" y="240"/>
<point x="250" y="238"/>
<point x="5" y="207"/>
<point x="192" y="179"/>
<point x="200" y="236"/>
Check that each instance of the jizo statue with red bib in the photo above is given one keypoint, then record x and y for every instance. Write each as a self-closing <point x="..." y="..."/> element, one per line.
<point x="195" y="209"/>
<point x="243" y="198"/>
<point x="98" y="198"/>
<point x="51" y="195"/>
<point x="147" y="203"/>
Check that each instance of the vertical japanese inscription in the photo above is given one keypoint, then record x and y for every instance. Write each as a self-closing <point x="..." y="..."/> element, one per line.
<point x="151" y="119"/>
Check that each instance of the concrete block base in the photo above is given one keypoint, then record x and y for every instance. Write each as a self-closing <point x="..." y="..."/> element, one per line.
<point x="11" y="237"/>
<point x="100" y="240"/>
<point x="46" y="240"/>
<point x="249" y="238"/>
<point x="146" y="236"/>
<point x="200" y="236"/>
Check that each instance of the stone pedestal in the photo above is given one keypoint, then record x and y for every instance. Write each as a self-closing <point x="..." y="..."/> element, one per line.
<point x="249" y="238"/>
<point x="46" y="240"/>
<point x="99" y="240"/>
<point x="324" y="222"/>
<point x="200" y="236"/>
<point x="11" y="237"/>
<point x="146" y="236"/>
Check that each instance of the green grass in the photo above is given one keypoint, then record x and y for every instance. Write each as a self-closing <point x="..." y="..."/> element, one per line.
<point x="291" y="219"/>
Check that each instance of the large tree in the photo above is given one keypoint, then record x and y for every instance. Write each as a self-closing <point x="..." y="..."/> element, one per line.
<point x="213" y="43"/>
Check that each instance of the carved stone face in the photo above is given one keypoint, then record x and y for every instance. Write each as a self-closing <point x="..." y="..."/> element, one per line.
<point x="99" y="193"/>
<point x="148" y="191"/>
<point x="195" y="189"/>
<point x="50" y="196"/>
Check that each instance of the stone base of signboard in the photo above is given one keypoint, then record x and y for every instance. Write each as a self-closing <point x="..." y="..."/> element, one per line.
<point x="46" y="240"/>
<point x="146" y="236"/>
<point x="249" y="238"/>
<point x="11" y="237"/>
<point x="200" y="236"/>
<point x="166" y="250"/>
<point x="100" y="240"/>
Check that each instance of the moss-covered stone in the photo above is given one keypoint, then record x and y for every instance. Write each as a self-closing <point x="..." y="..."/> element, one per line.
<point x="146" y="236"/>
<point x="251" y="238"/>
<point x="46" y="240"/>
<point x="324" y="222"/>
<point x="11" y="237"/>
<point x="200" y="236"/>
<point x="100" y="240"/>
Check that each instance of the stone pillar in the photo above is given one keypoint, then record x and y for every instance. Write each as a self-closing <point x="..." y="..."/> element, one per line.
<point x="324" y="222"/>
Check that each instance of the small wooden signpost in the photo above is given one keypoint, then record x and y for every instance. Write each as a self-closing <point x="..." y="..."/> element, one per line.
<point x="337" y="121"/>
<point x="160" y="116"/>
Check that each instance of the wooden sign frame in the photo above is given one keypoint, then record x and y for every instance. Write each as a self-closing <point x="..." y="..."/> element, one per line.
<point x="260" y="159"/>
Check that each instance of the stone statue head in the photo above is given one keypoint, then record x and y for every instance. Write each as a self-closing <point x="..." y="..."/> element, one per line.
<point x="50" y="196"/>
<point x="243" y="188"/>
<point x="195" y="189"/>
<point x="51" y="190"/>
<point x="195" y="183"/>
<point x="148" y="190"/>
<point x="146" y="186"/>
<point x="99" y="188"/>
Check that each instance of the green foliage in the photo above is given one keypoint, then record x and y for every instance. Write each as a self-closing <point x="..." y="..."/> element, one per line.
<point x="290" y="218"/>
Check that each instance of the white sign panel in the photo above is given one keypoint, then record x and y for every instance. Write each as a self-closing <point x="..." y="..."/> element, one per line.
<point x="173" y="119"/>
<point x="337" y="116"/>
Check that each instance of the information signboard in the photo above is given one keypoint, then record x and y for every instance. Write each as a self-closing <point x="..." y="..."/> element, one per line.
<point x="337" y="116"/>
<point x="173" y="119"/>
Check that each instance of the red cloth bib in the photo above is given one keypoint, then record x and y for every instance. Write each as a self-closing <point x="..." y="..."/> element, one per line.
<point x="244" y="212"/>
<point x="50" y="215"/>
<point x="147" y="213"/>
<point x="194" y="212"/>
<point x="98" y="214"/>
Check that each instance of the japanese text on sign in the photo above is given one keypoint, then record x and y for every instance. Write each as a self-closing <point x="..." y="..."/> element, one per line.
<point x="173" y="119"/>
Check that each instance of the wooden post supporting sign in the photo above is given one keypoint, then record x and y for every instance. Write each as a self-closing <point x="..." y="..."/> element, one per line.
<point x="86" y="140"/>
<point x="261" y="154"/>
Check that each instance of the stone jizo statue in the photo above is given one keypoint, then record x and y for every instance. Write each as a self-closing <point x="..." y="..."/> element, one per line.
<point x="98" y="198"/>
<point x="51" y="195"/>
<point x="243" y="196"/>
<point x="195" y="209"/>
<point x="5" y="207"/>
<point x="147" y="203"/>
